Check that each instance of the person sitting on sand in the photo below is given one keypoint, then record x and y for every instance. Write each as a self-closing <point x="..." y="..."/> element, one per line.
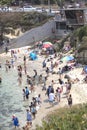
<point x="60" y="81"/>
<point x="76" y="80"/>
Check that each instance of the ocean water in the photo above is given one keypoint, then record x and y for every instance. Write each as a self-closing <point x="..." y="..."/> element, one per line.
<point x="11" y="100"/>
<point x="11" y="96"/>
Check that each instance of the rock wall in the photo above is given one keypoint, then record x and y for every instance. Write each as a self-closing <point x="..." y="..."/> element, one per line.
<point x="34" y="35"/>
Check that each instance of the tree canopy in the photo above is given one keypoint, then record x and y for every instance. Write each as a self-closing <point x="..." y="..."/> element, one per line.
<point x="5" y="2"/>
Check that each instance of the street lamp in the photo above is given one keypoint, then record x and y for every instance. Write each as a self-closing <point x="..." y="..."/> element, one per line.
<point x="49" y="6"/>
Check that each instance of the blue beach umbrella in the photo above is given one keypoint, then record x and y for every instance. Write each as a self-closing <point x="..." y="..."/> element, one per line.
<point x="67" y="58"/>
<point x="85" y="68"/>
<point x="33" y="56"/>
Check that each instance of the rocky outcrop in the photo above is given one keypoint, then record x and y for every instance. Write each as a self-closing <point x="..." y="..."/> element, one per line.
<point x="82" y="54"/>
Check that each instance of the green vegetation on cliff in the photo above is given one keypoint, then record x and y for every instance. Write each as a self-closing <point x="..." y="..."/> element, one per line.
<point x="74" y="118"/>
<point x="79" y="37"/>
<point x="22" y="20"/>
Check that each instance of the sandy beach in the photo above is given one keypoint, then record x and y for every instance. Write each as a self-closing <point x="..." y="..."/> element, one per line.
<point x="78" y="90"/>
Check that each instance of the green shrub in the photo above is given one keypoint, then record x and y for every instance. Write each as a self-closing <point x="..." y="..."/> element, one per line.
<point x="66" y="119"/>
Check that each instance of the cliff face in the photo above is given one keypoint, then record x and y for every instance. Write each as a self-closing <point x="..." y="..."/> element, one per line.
<point x="33" y="35"/>
<point x="11" y="21"/>
<point x="82" y="54"/>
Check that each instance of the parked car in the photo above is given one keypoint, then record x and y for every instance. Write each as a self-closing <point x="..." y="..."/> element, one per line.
<point x="70" y="6"/>
<point x="40" y="10"/>
<point x="6" y="9"/>
<point x="28" y="9"/>
<point x="52" y="12"/>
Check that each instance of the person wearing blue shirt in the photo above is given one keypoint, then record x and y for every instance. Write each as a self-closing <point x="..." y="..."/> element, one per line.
<point x="29" y="117"/>
<point x="15" y="121"/>
<point x="26" y="92"/>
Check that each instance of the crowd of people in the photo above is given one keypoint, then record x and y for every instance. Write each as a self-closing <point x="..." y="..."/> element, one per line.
<point x="63" y="82"/>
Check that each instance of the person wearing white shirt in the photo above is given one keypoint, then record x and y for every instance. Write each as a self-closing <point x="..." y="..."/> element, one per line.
<point x="51" y="97"/>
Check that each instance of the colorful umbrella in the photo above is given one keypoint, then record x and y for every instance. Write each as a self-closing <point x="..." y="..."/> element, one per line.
<point x="67" y="58"/>
<point x="33" y="56"/>
<point x="46" y="46"/>
<point x="47" y="43"/>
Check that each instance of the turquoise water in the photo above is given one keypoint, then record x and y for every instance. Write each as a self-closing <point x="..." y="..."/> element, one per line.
<point x="11" y="99"/>
<point x="11" y="96"/>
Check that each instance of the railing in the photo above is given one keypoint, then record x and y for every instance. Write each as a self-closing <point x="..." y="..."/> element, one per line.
<point x="78" y="21"/>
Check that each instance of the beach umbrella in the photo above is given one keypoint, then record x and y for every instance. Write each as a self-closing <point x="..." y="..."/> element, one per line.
<point x="85" y="68"/>
<point x="33" y="56"/>
<point x="67" y="58"/>
<point x="46" y="46"/>
<point x="47" y="43"/>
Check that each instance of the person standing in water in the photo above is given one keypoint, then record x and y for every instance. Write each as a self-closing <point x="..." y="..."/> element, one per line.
<point x="24" y="94"/>
<point x="29" y="117"/>
<point x="0" y="80"/>
<point x="15" y="121"/>
<point x="27" y="93"/>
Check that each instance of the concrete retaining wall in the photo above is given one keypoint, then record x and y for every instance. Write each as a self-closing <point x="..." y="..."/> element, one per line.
<point x="35" y="34"/>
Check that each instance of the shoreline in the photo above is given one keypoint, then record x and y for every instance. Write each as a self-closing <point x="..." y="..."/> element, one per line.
<point x="78" y="91"/>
